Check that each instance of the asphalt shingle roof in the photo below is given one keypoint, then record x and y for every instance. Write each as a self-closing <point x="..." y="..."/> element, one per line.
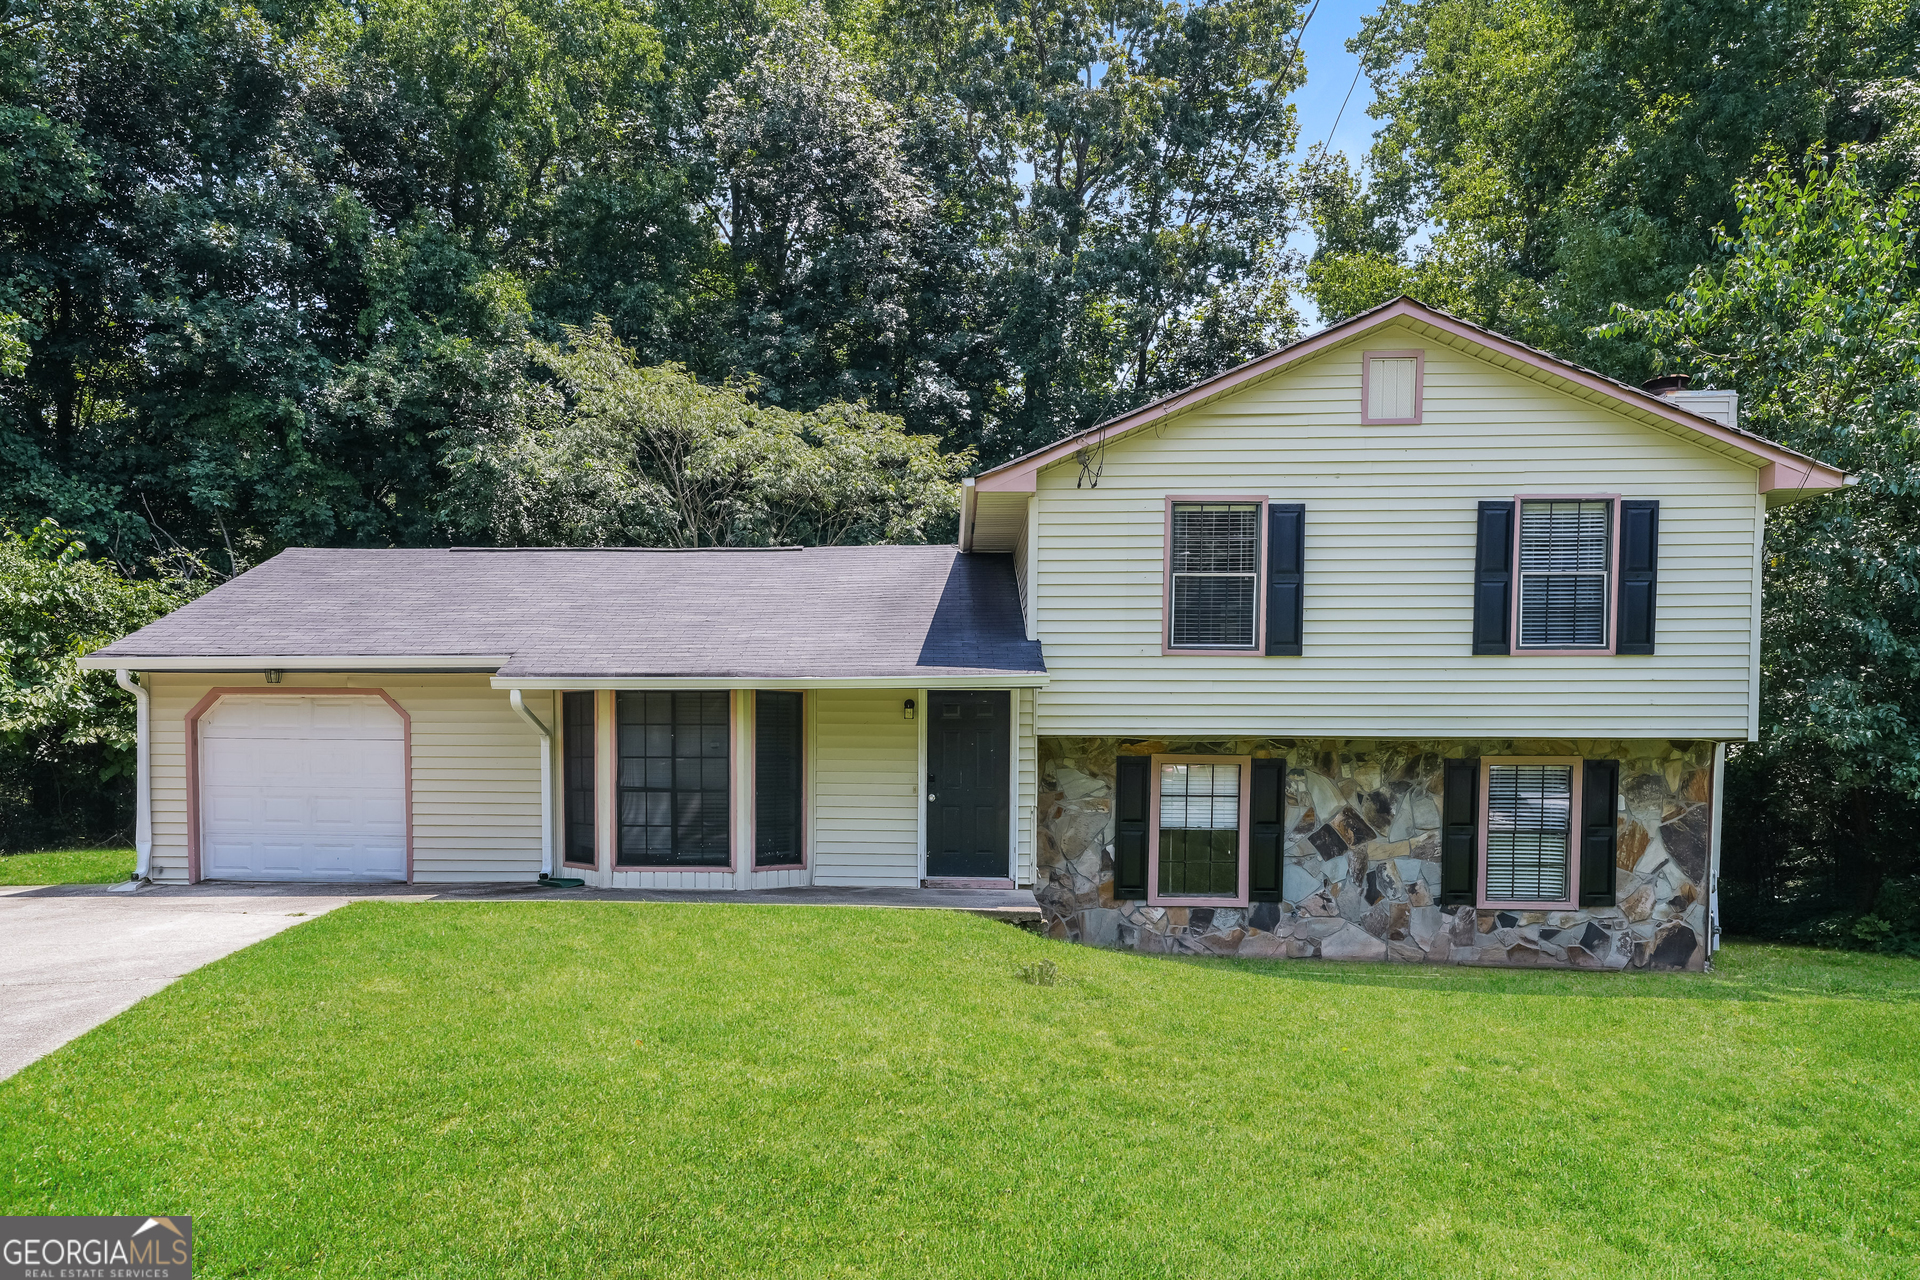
<point x="817" y="612"/>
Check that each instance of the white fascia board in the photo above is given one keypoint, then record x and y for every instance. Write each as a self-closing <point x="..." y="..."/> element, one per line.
<point x="984" y="681"/>
<point x="303" y="662"/>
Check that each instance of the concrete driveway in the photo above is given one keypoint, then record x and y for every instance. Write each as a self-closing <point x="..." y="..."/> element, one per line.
<point x="73" y="956"/>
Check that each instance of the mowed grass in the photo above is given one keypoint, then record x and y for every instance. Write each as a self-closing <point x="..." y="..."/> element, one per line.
<point x="584" y="1089"/>
<point x="67" y="866"/>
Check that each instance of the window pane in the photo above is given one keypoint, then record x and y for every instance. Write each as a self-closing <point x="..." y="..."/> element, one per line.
<point x="1565" y="557"/>
<point x="1200" y="830"/>
<point x="1212" y="612"/>
<point x="1563" y="611"/>
<point x="1529" y="832"/>
<point x="577" y="747"/>
<point x="673" y="779"/>
<point x="1568" y="536"/>
<point x="778" y="786"/>
<point x="1216" y="538"/>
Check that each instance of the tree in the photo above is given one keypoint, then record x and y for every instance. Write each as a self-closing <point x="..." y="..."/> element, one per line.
<point x="1122" y="166"/>
<point x="1562" y="155"/>
<point x="66" y="735"/>
<point x="1815" y="319"/>
<point x="615" y="453"/>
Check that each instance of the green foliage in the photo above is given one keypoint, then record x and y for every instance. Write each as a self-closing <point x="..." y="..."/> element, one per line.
<point x="621" y="454"/>
<point x="1564" y="155"/>
<point x="68" y="734"/>
<point x="67" y="866"/>
<point x="1815" y="318"/>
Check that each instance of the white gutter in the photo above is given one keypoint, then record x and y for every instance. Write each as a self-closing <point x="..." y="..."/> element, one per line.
<point x="251" y="662"/>
<point x="584" y="680"/>
<point x="546" y="781"/>
<point x="143" y="776"/>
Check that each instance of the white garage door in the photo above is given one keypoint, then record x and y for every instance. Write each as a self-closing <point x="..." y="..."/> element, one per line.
<point x="302" y="788"/>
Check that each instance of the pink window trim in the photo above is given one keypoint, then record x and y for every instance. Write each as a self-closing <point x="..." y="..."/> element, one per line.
<point x="593" y="772"/>
<point x="735" y="769"/>
<point x="1419" y="358"/>
<point x="752" y="766"/>
<point x="206" y="703"/>
<point x="1153" y="829"/>
<point x="1487" y="763"/>
<point x="1259" y="645"/>
<point x="1613" y="577"/>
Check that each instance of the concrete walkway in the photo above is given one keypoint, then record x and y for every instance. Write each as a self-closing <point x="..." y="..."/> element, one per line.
<point x="72" y="956"/>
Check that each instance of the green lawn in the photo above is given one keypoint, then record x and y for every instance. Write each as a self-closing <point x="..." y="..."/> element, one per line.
<point x="583" y="1089"/>
<point x="66" y="866"/>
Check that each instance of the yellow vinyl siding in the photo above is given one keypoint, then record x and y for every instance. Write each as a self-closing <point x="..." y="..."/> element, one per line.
<point x="476" y="771"/>
<point x="866" y="823"/>
<point x="1389" y="547"/>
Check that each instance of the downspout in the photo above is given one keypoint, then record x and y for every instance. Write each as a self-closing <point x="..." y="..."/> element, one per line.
<point x="143" y="780"/>
<point x="1713" y="853"/>
<point x="546" y="782"/>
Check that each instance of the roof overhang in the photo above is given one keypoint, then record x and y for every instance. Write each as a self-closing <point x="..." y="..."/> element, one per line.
<point x="418" y="662"/>
<point x="982" y="680"/>
<point x="1784" y="474"/>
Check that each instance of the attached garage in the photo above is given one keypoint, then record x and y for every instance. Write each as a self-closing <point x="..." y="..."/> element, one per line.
<point x="302" y="786"/>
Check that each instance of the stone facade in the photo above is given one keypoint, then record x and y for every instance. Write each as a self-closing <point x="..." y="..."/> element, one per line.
<point x="1362" y="870"/>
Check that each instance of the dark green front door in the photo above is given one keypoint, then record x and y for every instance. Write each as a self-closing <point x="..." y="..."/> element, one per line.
<point x="968" y="755"/>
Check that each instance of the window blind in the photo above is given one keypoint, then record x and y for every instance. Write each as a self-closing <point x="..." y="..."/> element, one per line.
<point x="1529" y="828"/>
<point x="1565" y="557"/>
<point x="1215" y="563"/>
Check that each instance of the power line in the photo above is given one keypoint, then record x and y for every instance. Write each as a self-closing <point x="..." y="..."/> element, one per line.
<point x="1343" y="107"/>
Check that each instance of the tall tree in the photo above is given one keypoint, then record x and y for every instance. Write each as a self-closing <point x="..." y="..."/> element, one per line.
<point x="1815" y="318"/>
<point x="1562" y="155"/>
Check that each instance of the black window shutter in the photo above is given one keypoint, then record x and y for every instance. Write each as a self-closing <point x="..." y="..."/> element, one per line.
<point x="1266" y="808"/>
<point x="1493" y="579"/>
<point x="1130" y="827"/>
<point x="1286" y="565"/>
<point x="1639" y="575"/>
<point x="1599" y="836"/>
<point x="1460" y="834"/>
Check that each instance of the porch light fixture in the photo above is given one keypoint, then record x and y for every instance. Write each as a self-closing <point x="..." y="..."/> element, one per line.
<point x="906" y="709"/>
<point x="273" y="677"/>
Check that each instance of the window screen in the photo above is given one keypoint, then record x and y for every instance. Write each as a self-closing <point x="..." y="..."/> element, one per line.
<point x="673" y="779"/>
<point x="1565" y="559"/>
<point x="1200" y="830"/>
<point x="777" y="782"/>
<point x="1529" y="829"/>
<point x="576" y="737"/>
<point x="1216" y="566"/>
<point x="1391" y="386"/>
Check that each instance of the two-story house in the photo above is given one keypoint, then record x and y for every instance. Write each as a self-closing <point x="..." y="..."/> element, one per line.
<point x="1405" y="642"/>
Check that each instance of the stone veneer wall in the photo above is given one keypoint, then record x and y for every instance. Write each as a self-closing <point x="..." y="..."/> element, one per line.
<point x="1362" y="856"/>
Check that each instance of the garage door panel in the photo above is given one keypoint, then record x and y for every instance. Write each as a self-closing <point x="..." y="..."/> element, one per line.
<point x="303" y="788"/>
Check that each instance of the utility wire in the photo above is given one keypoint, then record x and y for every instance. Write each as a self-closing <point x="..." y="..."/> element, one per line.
<point x="1343" y="107"/>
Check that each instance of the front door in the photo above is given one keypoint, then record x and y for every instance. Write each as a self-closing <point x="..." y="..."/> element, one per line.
<point x="968" y="743"/>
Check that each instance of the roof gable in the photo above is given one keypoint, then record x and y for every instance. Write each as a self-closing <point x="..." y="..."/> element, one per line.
<point x="1783" y="473"/>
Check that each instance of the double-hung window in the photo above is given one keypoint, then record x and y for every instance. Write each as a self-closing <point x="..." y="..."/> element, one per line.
<point x="1200" y="823"/>
<point x="675" y="750"/>
<point x="1213" y="576"/>
<point x="1527" y="839"/>
<point x="1566" y="573"/>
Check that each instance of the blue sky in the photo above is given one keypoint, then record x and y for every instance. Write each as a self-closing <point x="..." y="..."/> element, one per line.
<point x="1330" y="71"/>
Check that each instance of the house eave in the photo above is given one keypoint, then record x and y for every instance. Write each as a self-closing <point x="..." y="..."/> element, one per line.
<point x="217" y="663"/>
<point x="908" y="680"/>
